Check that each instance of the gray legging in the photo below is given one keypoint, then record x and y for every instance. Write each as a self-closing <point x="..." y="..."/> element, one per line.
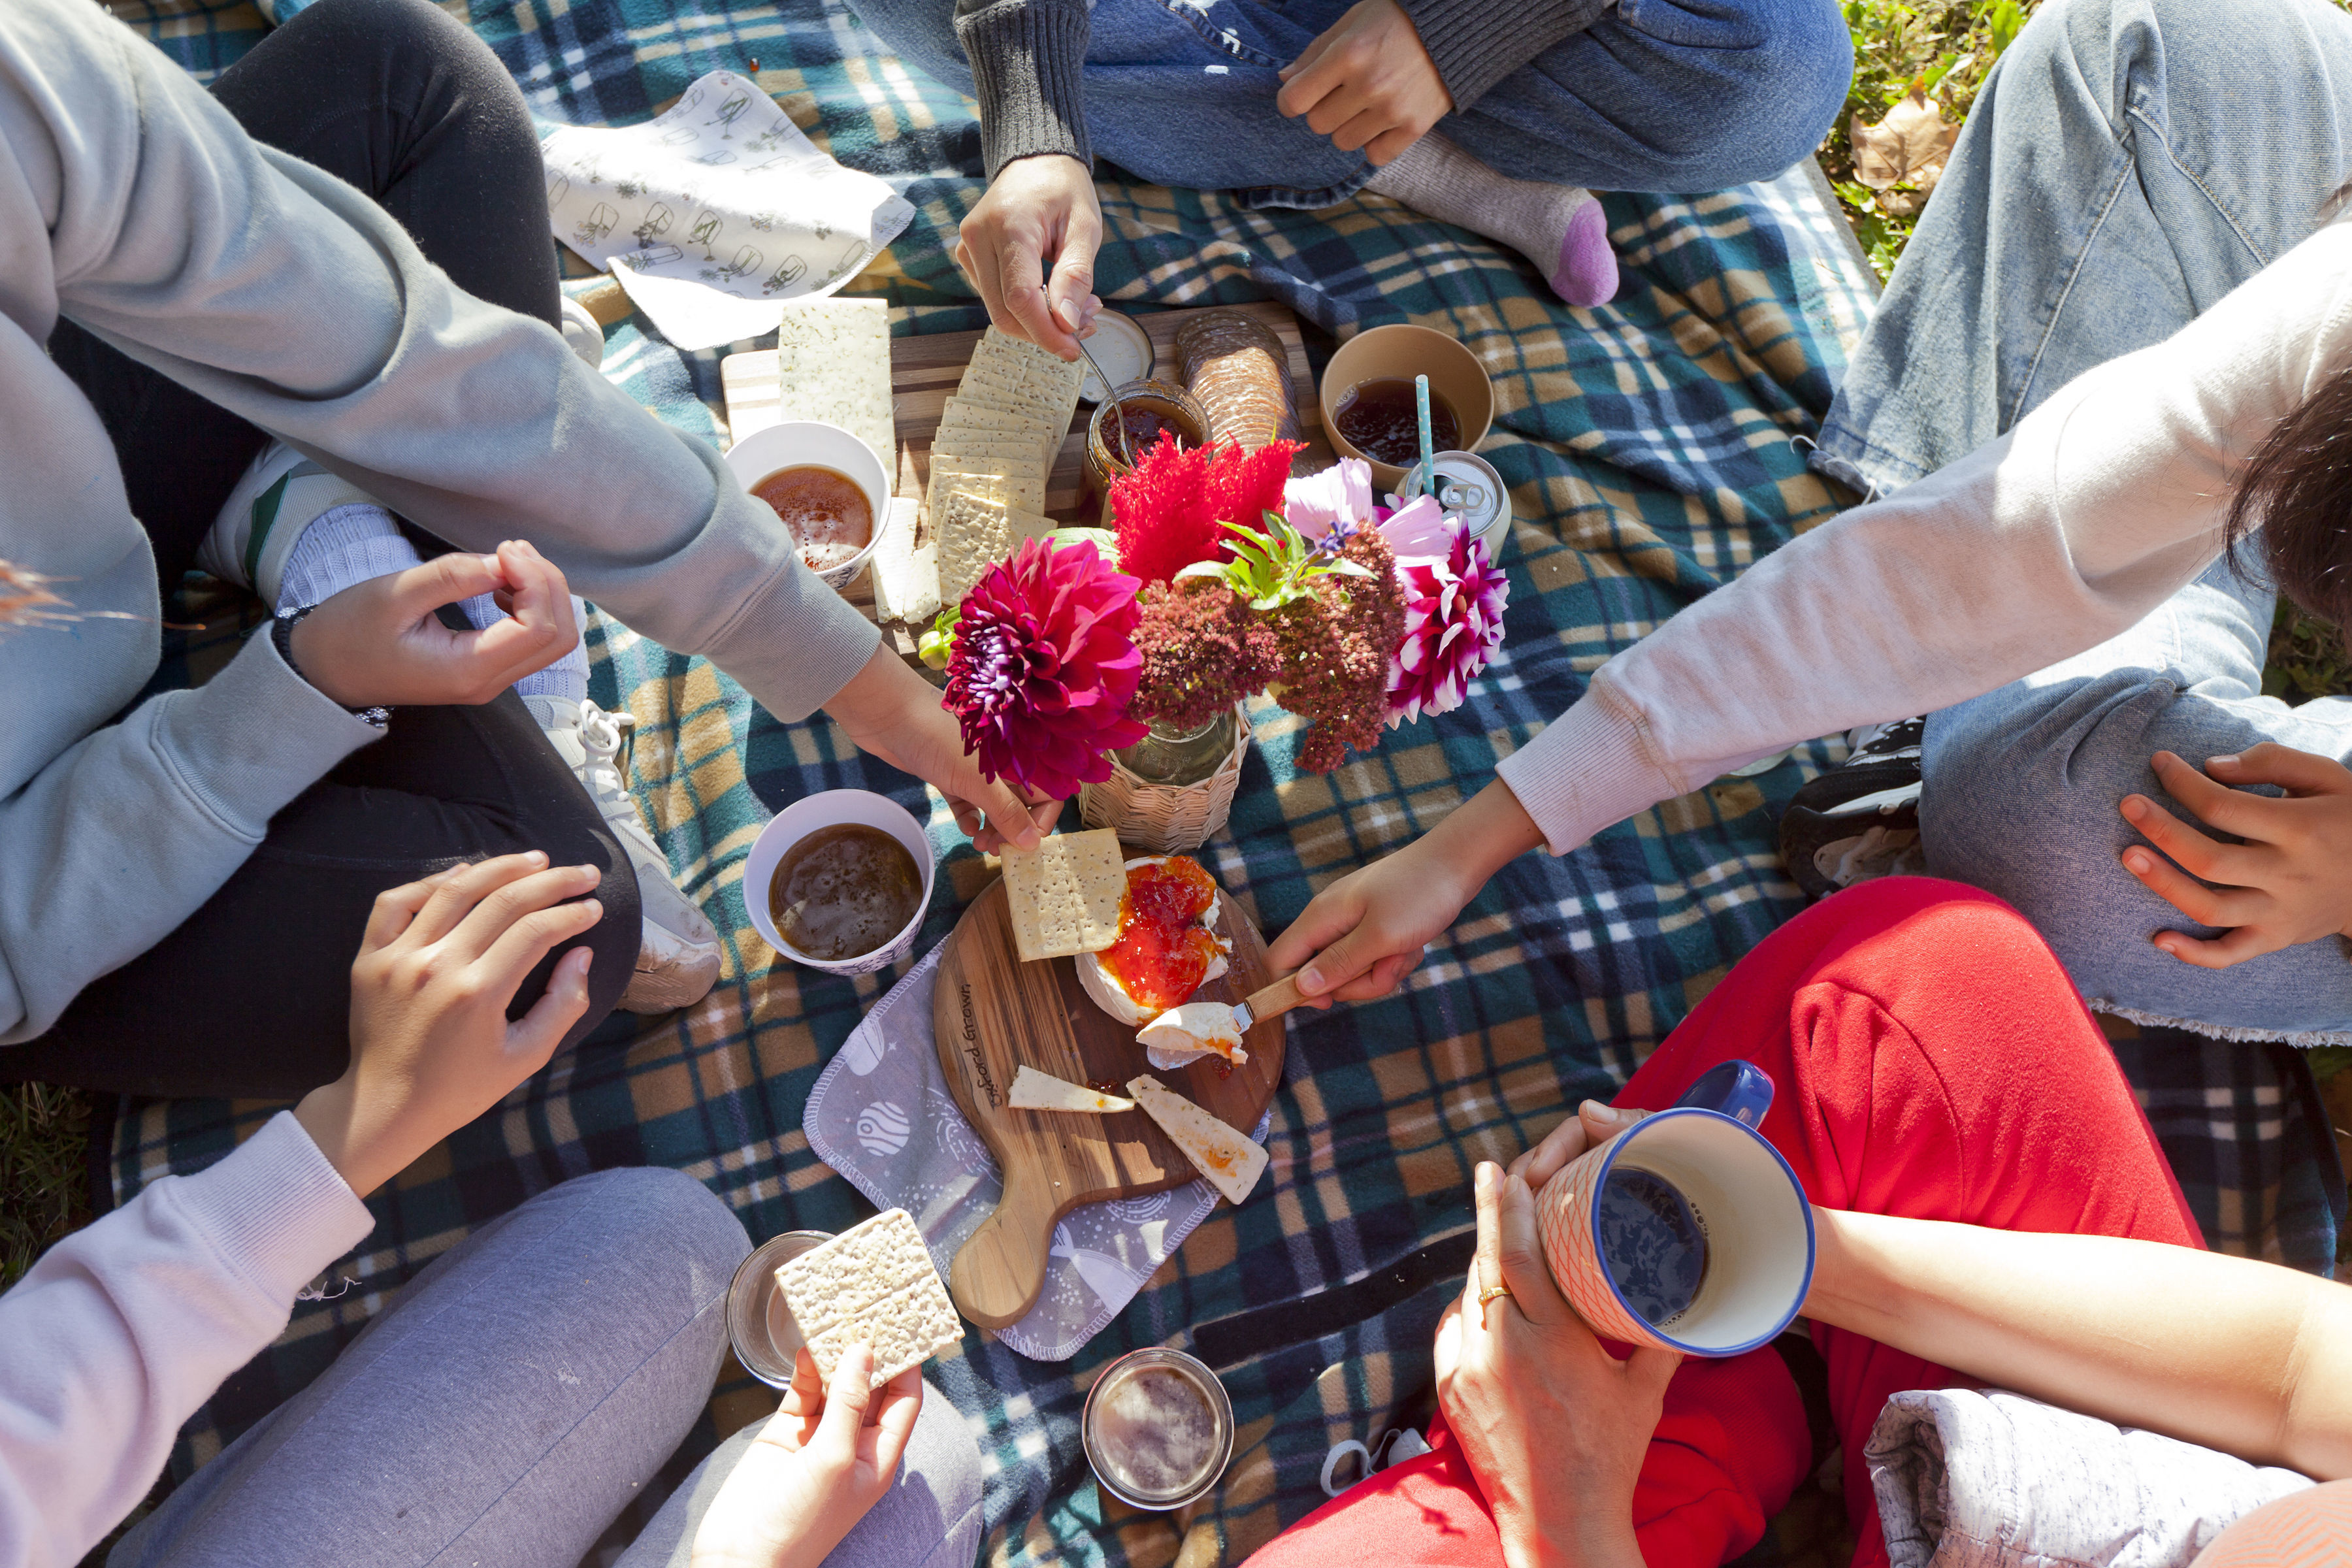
<point x="517" y="1396"/>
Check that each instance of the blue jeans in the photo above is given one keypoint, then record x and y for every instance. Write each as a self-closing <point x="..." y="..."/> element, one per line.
<point x="1662" y="95"/>
<point x="2128" y="163"/>
<point x="517" y="1396"/>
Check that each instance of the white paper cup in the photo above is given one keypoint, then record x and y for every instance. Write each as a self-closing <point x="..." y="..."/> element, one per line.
<point x="1756" y="1222"/>
<point x="830" y="809"/>
<point x="788" y="445"/>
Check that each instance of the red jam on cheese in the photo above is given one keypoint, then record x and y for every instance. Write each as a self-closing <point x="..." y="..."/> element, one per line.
<point x="1162" y="951"/>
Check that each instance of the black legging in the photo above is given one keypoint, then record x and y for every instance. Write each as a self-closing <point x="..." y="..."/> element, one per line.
<point x="251" y="995"/>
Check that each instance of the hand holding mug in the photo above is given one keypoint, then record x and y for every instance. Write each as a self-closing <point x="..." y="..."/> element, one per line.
<point x="1553" y="1425"/>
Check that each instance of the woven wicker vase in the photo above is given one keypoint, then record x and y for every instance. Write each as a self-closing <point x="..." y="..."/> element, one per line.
<point x="1166" y="819"/>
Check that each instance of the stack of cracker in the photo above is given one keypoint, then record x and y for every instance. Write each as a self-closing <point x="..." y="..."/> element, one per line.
<point x="1064" y="897"/>
<point x="873" y="1284"/>
<point x="990" y="458"/>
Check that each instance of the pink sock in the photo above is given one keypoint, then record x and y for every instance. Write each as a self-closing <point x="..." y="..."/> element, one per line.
<point x="1588" y="268"/>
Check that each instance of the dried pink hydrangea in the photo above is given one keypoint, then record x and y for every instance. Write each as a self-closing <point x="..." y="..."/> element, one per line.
<point x="1453" y="625"/>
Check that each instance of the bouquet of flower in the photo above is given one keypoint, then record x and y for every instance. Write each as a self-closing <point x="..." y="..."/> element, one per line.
<point x="1223" y="577"/>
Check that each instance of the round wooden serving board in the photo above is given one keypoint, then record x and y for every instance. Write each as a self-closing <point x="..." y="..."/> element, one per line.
<point x="991" y="1014"/>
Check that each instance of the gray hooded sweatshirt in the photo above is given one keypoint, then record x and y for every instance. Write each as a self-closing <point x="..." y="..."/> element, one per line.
<point x="133" y="204"/>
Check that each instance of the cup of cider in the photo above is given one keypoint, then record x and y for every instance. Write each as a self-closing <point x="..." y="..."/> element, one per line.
<point x="828" y="487"/>
<point x="839" y="881"/>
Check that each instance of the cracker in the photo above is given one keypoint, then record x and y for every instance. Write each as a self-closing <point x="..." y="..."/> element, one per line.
<point x="962" y="412"/>
<point x="1026" y="359"/>
<point x="1065" y="895"/>
<point x="973" y="533"/>
<point x="1014" y="480"/>
<point x="874" y="1283"/>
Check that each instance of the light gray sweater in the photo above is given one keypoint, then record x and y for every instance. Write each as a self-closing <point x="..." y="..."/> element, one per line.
<point x="131" y="203"/>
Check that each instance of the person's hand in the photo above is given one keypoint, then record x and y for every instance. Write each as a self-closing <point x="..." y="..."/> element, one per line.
<point x="1554" y="1427"/>
<point x="815" y="1468"/>
<point x="379" y="642"/>
<point x="1029" y="247"/>
<point x="1592" y="1125"/>
<point x="431" y="1045"/>
<point x="893" y="713"/>
<point x="1364" y="932"/>
<point x="2287" y="883"/>
<point x="1367" y="81"/>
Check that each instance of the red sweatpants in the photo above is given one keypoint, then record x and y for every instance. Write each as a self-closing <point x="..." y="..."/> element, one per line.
<point x="1932" y="1060"/>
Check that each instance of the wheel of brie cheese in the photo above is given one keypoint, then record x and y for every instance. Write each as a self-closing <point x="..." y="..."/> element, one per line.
<point x="1168" y="947"/>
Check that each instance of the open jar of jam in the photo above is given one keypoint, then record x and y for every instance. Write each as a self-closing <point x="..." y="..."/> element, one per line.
<point x="1144" y="409"/>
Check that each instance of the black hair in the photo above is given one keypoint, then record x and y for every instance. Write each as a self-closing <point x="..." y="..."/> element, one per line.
<point x="2297" y="493"/>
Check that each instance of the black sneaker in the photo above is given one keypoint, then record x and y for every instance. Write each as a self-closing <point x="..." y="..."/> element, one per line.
<point x="1860" y="819"/>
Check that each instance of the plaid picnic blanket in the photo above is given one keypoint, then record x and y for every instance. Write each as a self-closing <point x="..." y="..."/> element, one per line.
<point x="1649" y="449"/>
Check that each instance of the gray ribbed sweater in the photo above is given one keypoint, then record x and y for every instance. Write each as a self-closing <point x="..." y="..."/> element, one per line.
<point x="131" y="203"/>
<point x="1027" y="55"/>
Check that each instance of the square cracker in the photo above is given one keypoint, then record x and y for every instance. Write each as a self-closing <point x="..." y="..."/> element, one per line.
<point x="974" y="532"/>
<point x="1065" y="895"/>
<point x="1014" y="480"/>
<point x="1043" y="365"/>
<point x="873" y="1283"/>
<point x="962" y="412"/>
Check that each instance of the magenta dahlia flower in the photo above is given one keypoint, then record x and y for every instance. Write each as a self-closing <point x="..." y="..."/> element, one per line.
<point x="1453" y="625"/>
<point x="1043" y="668"/>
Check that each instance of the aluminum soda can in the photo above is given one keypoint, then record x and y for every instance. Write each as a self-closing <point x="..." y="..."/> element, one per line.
<point x="1470" y="491"/>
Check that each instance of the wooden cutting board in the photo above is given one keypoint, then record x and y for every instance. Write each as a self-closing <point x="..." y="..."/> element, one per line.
<point x="991" y="1014"/>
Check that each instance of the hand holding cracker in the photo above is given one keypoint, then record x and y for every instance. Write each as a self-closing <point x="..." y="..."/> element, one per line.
<point x="814" y="1470"/>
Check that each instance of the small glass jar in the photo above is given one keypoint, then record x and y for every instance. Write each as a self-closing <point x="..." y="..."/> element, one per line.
<point x="759" y="1325"/>
<point x="1179" y="757"/>
<point x="1165" y="400"/>
<point x="1158" y="1430"/>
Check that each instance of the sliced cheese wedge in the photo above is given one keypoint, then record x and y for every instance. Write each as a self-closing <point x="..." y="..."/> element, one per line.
<point x="1228" y="1159"/>
<point x="1035" y="1091"/>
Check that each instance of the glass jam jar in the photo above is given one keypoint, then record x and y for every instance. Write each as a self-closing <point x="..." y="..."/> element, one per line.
<point x="1149" y="407"/>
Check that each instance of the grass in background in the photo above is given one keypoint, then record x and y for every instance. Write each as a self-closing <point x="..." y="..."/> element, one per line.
<point x="43" y="1132"/>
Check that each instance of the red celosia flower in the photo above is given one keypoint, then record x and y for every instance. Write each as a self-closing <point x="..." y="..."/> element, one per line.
<point x="1168" y="506"/>
<point x="1336" y="642"/>
<point x="1162" y="512"/>
<point x="1043" y="668"/>
<point x="1203" y="649"/>
<point x="1453" y="625"/>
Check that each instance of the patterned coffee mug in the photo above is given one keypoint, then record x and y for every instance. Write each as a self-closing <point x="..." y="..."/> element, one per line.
<point x="1687" y="1230"/>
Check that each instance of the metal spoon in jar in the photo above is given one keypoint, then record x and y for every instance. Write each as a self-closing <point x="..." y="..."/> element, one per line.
<point x="1119" y="417"/>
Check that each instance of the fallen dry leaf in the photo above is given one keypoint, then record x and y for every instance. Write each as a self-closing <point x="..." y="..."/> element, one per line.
<point x="1907" y="147"/>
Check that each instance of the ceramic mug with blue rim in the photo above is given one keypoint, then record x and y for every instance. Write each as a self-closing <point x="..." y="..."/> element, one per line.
<point x="1687" y="1231"/>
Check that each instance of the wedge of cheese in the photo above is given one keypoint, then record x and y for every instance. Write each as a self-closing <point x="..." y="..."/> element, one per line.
<point x="1228" y="1159"/>
<point x="1035" y="1091"/>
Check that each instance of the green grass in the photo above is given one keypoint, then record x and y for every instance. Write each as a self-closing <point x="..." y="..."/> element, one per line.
<point x="43" y="1134"/>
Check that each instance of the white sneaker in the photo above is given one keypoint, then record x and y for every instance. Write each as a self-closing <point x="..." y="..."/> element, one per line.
<point x="282" y="493"/>
<point x="677" y="958"/>
<point x="583" y="333"/>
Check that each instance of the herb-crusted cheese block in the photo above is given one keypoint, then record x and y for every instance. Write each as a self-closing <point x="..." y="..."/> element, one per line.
<point x="833" y="364"/>
<point x="872" y="1284"/>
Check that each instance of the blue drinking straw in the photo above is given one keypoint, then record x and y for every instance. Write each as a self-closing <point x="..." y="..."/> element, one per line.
<point x="1426" y="479"/>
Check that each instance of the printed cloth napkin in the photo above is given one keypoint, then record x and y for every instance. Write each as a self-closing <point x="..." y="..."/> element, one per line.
<point x="717" y="212"/>
<point x="881" y="1114"/>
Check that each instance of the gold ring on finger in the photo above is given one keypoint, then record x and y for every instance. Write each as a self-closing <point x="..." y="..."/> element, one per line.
<point x="1490" y="1292"/>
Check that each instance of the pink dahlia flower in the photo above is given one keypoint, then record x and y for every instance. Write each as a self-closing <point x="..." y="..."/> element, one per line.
<point x="1453" y="625"/>
<point x="1043" y="668"/>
